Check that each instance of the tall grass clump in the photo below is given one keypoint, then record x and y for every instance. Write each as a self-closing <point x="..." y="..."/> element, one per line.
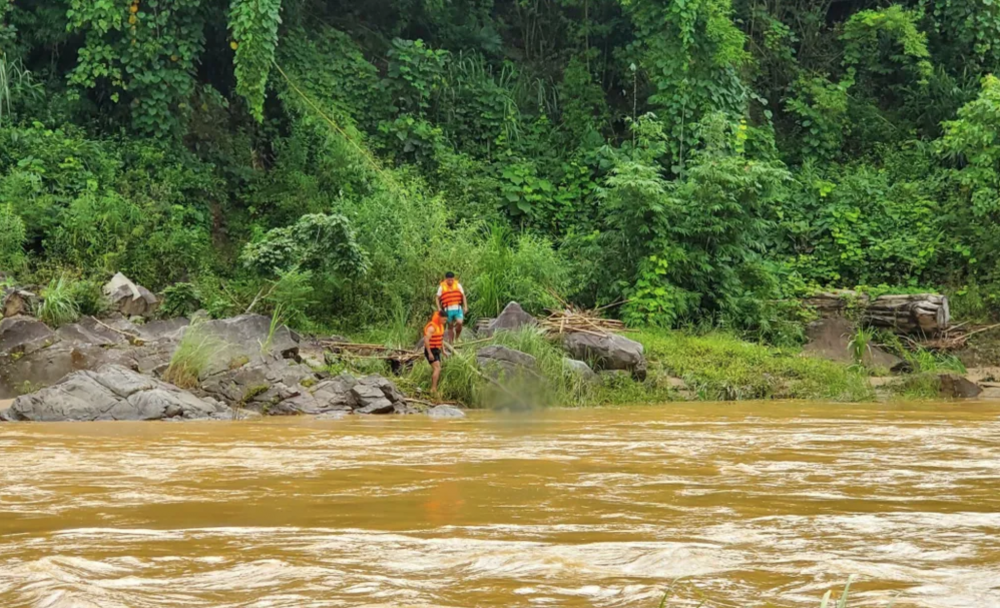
<point x="510" y="267"/>
<point x="58" y="306"/>
<point x="564" y="387"/>
<point x="195" y="352"/>
<point x="460" y="381"/>
<point x="860" y="344"/>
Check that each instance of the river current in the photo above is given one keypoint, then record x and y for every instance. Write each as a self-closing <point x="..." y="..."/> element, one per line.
<point x="742" y="505"/>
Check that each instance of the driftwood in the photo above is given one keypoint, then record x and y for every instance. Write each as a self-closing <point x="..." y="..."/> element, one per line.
<point x="955" y="338"/>
<point x="925" y="313"/>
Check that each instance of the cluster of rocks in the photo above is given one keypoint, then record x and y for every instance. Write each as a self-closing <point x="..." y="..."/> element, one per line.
<point x="118" y="368"/>
<point x="829" y="337"/>
<point x="92" y="370"/>
<point x="610" y="354"/>
<point x="112" y="392"/>
<point x="115" y="368"/>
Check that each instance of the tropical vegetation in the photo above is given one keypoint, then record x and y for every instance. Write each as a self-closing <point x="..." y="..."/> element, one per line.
<point x="703" y="162"/>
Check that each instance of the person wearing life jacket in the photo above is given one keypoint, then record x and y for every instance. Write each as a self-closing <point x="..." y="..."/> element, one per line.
<point x="433" y="344"/>
<point x="451" y="300"/>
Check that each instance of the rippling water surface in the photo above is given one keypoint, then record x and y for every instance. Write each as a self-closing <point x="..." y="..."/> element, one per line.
<point x="745" y="504"/>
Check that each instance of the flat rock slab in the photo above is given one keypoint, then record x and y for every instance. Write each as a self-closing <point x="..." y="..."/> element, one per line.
<point x="110" y="393"/>
<point x="23" y="335"/>
<point x="830" y="338"/>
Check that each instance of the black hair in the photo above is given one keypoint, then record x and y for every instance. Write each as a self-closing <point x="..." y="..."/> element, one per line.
<point x="449" y="275"/>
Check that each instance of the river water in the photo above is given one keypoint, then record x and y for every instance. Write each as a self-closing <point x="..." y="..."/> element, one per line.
<point x="742" y="504"/>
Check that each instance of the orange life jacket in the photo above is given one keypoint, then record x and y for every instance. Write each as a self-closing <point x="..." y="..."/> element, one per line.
<point x="451" y="296"/>
<point x="436" y="340"/>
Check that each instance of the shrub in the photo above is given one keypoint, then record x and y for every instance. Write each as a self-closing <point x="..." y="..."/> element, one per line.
<point x="88" y="297"/>
<point x="12" y="238"/>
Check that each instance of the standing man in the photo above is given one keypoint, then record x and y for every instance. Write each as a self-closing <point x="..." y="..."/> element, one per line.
<point x="433" y="343"/>
<point x="451" y="300"/>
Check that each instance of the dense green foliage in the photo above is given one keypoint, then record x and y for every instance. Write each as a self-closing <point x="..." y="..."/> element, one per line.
<point x="703" y="161"/>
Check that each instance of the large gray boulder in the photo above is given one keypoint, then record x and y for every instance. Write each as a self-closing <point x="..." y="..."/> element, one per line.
<point x="129" y="298"/>
<point x="512" y="318"/>
<point x="37" y="357"/>
<point x="245" y="338"/>
<point x="272" y="386"/>
<point x="334" y="394"/>
<point x="500" y="360"/>
<point x="110" y="393"/>
<point x="608" y="352"/>
<point x="377" y="395"/>
<point x="21" y="336"/>
<point x="282" y="387"/>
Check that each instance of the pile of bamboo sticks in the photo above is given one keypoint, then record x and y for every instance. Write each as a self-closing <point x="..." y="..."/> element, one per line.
<point x="570" y="320"/>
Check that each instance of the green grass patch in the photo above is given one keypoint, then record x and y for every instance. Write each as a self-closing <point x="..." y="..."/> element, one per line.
<point x="719" y="366"/>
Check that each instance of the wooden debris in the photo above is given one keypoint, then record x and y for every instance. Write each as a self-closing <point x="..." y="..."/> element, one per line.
<point x="955" y="338"/>
<point x="398" y="356"/>
<point x="571" y="320"/>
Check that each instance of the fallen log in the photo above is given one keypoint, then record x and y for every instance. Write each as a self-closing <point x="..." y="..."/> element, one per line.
<point x="925" y="313"/>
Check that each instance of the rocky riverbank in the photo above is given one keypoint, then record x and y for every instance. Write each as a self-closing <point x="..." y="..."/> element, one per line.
<point x="114" y="369"/>
<point x="123" y="367"/>
<point x="120" y="368"/>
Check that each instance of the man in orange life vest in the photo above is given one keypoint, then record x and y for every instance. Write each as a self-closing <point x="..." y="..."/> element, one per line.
<point x="452" y="302"/>
<point x="433" y="343"/>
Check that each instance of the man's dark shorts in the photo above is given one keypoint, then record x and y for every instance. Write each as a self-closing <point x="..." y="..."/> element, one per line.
<point x="435" y="355"/>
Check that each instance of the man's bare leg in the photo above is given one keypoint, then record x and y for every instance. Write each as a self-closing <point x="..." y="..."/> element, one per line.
<point x="435" y="375"/>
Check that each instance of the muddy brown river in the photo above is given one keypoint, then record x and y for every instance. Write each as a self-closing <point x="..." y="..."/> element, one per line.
<point x="734" y="504"/>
